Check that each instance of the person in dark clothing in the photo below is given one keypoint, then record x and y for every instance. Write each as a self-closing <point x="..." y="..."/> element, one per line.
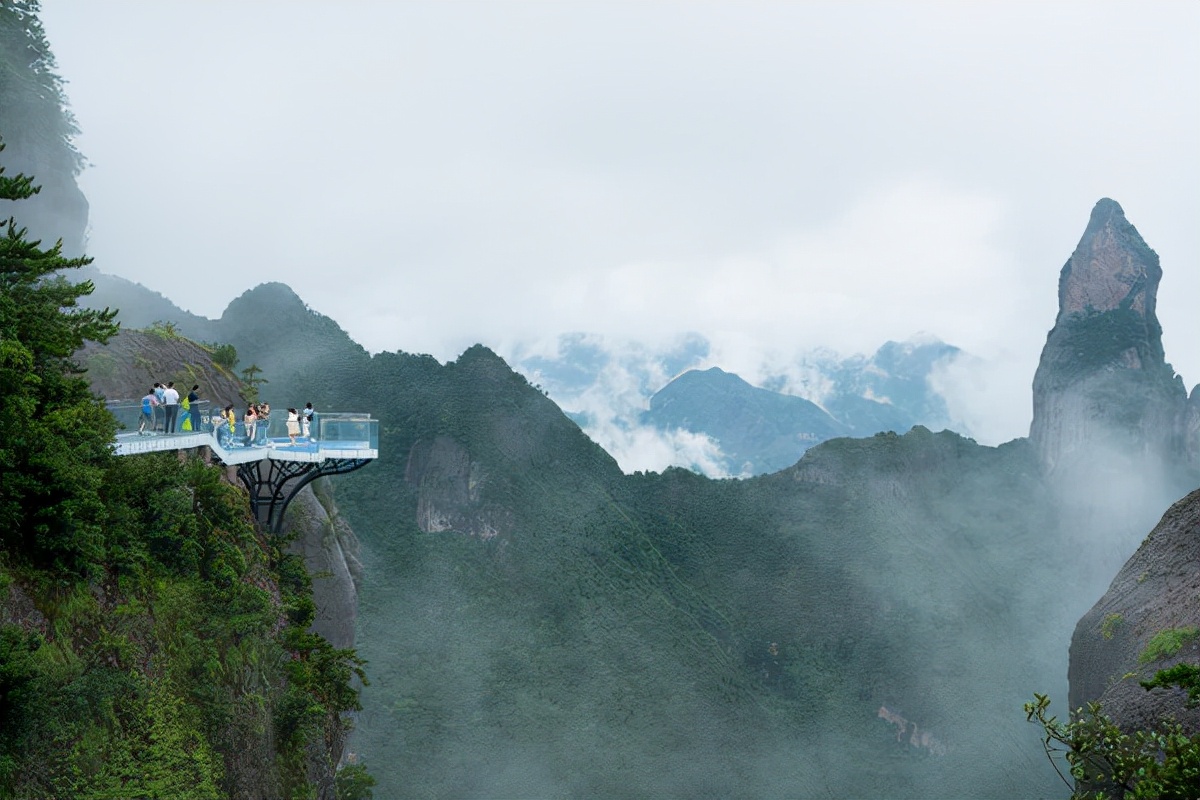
<point x="193" y="409"/>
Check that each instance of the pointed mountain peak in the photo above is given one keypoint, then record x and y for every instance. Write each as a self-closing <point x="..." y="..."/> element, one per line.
<point x="1111" y="268"/>
<point x="1103" y="380"/>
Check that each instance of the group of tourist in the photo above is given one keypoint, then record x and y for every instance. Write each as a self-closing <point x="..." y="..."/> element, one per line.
<point x="256" y="423"/>
<point x="161" y="406"/>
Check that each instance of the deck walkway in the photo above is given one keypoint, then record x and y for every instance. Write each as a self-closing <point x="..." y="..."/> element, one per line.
<point x="280" y="449"/>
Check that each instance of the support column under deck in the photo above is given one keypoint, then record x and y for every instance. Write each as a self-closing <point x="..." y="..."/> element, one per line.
<point x="273" y="483"/>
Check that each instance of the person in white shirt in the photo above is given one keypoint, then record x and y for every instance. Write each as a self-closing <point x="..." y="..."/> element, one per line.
<point x="171" y="406"/>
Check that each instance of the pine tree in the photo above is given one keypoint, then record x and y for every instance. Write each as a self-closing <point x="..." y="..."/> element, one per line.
<point x="55" y="436"/>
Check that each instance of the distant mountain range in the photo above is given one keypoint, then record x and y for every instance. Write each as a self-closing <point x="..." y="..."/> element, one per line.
<point x="716" y="423"/>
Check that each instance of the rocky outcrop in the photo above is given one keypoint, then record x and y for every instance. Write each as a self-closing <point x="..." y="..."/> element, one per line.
<point x="1103" y="384"/>
<point x="448" y="485"/>
<point x="1157" y="591"/>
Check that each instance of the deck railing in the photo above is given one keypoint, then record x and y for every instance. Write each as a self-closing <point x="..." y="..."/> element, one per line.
<point x="129" y="417"/>
<point x="331" y="432"/>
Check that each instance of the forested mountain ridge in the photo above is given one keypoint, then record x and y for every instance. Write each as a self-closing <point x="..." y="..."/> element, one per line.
<point x="538" y="623"/>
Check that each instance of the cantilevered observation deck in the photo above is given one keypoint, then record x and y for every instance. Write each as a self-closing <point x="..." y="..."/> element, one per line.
<point x="272" y="469"/>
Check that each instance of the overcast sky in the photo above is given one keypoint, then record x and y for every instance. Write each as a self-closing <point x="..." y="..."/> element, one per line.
<point x="776" y="176"/>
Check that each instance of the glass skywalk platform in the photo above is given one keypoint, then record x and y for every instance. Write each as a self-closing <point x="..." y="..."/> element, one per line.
<point x="334" y="435"/>
<point x="271" y="467"/>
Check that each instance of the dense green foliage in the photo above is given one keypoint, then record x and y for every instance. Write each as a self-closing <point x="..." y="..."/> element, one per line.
<point x="179" y="664"/>
<point x="225" y="355"/>
<point x="157" y="645"/>
<point x="1104" y="762"/>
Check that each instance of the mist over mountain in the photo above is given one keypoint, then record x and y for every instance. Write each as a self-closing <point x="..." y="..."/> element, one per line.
<point x="618" y="393"/>
<point x="753" y="430"/>
<point x="866" y="620"/>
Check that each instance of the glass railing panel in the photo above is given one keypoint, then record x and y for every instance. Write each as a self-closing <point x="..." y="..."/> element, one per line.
<point x="347" y="429"/>
<point x="127" y="416"/>
<point x="130" y="418"/>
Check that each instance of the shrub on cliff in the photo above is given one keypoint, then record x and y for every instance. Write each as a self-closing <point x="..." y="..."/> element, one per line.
<point x="1105" y="761"/>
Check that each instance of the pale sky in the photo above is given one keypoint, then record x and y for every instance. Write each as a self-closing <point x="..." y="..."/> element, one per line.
<point x="775" y="176"/>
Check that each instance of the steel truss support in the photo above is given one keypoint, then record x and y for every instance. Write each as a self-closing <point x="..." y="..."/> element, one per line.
<point x="272" y="484"/>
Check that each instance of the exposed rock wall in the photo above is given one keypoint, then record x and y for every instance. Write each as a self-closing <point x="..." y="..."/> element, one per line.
<point x="1158" y="589"/>
<point x="448" y="485"/>
<point x="330" y="551"/>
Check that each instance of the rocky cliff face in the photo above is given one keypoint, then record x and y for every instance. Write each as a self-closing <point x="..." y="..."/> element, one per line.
<point x="447" y="483"/>
<point x="1103" y="381"/>
<point x="131" y="362"/>
<point x="330" y="551"/>
<point x="1157" y="590"/>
